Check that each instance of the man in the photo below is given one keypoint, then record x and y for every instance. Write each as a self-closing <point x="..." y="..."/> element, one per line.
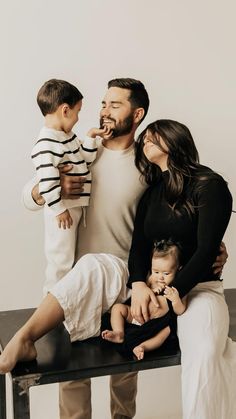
<point x="116" y="190"/>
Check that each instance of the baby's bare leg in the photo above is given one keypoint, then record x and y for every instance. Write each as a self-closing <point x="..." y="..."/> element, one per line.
<point x="21" y="347"/>
<point x="152" y="343"/>
<point x="119" y="314"/>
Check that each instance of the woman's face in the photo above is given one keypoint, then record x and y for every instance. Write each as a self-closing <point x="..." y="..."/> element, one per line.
<point x="154" y="153"/>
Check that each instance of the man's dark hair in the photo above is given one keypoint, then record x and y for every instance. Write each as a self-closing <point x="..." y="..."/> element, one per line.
<point x="54" y="93"/>
<point x="138" y="94"/>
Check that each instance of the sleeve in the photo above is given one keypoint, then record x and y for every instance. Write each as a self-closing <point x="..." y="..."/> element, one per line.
<point x="27" y="198"/>
<point x="140" y="251"/>
<point x="214" y="209"/>
<point x="88" y="149"/>
<point x="46" y="157"/>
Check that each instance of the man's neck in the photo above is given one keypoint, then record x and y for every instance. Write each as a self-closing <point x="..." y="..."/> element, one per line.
<point x="119" y="143"/>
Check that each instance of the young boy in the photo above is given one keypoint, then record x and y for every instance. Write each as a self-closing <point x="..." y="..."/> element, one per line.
<point x="60" y="102"/>
<point x="165" y="264"/>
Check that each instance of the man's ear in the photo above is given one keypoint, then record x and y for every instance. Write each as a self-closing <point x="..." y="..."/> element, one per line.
<point x="138" y="115"/>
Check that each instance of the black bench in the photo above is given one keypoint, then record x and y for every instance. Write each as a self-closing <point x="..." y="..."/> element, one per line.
<point x="58" y="360"/>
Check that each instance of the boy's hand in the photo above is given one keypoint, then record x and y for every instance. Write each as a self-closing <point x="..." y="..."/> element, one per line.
<point x="171" y="294"/>
<point x="105" y="132"/>
<point x="64" y="220"/>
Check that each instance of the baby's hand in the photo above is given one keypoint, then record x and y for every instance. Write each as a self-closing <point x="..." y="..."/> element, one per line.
<point x="171" y="293"/>
<point x="103" y="132"/>
<point x="158" y="288"/>
<point x="64" y="220"/>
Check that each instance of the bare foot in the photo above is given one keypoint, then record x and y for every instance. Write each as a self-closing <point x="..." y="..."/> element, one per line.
<point x="113" y="336"/>
<point x="18" y="349"/>
<point x="139" y="352"/>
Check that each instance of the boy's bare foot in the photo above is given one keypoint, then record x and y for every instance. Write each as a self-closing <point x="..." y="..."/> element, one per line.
<point x="18" y="349"/>
<point x="139" y="352"/>
<point x="113" y="336"/>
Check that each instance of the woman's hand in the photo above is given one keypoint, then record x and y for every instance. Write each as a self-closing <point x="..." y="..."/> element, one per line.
<point x="140" y="299"/>
<point x="221" y="259"/>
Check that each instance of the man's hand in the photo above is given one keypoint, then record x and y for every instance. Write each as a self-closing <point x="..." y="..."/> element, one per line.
<point x="38" y="199"/>
<point x="221" y="259"/>
<point x="140" y="298"/>
<point x="71" y="186"/>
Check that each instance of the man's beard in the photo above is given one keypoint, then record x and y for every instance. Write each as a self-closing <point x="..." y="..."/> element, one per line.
<point x="121" y="128"/>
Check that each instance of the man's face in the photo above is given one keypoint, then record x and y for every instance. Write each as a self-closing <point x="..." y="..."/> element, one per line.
<point x="116" y="112"/>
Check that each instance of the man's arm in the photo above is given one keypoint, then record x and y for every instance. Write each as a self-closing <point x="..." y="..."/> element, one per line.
<point x="30" y="196"/>
<point x="221" y="259"/>
<point x="71" y="187"/>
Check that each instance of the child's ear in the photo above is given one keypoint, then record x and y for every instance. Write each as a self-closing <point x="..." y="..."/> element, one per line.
<point x="65" y="109"/>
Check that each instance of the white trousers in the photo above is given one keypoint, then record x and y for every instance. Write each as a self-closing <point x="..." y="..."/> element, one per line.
<point x="96" y="282"/>
<point x="59" y="246"/>
<point x="208" y="356"/>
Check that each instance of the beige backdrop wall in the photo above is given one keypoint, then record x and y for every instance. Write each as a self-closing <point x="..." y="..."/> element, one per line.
<point x="183" y="51"/>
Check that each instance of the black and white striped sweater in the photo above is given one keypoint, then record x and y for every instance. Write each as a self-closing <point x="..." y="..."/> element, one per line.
<point x="54" y="148"/>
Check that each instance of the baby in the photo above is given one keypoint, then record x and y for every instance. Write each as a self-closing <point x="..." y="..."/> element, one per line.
<point x="165" y="264"/>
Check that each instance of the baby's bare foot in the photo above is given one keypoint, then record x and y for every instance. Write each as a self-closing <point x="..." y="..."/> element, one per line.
<point x="18" y="349"/>
<point x="113" y="336"/>
<point x="139" y="352"/>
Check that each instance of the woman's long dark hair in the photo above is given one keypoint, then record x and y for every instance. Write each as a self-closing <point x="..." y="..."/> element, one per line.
<point x="182" y="162"/>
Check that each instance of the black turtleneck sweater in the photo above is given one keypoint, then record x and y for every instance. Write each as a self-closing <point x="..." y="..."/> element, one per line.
<point x="199" y="234"/>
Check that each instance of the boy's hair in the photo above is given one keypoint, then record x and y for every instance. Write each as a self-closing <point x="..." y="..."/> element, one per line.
<point x="138" y="94"/>
<point x="54" y="93"/>
<point x="167" y="247"/>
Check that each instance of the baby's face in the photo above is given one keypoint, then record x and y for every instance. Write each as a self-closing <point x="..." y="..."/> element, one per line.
<point x="163" y="272"/>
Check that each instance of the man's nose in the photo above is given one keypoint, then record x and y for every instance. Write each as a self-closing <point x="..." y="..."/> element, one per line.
<point x="105" y="112"/>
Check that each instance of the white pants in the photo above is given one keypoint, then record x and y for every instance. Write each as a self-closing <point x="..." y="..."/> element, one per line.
<point x="96" y="282"/>
<point x="208" y="356"/>
<point x="59" y="246"/>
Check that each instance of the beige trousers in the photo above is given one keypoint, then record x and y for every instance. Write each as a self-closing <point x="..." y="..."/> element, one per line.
<point x="75" y="398"/>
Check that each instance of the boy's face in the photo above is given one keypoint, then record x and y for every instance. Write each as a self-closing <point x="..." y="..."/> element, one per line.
<point x="163" y="271"/>
<point x="71" y="116"/>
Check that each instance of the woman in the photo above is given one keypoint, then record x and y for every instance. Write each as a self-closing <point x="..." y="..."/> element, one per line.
<point x="185" y="201"/>
<point x="191" y="204"/>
